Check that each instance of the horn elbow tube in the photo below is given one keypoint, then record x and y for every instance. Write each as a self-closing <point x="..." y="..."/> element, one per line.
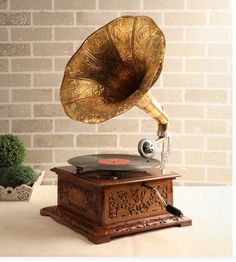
<point x="150" y="105"/>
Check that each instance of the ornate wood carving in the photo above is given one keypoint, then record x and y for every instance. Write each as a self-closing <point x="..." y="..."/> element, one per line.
<point x="82" y="200"/>
<point x="154" y="222"/>
<point x="102" y="234"/>
<point x="102" y="209"/>
<point x="134" y="201"/>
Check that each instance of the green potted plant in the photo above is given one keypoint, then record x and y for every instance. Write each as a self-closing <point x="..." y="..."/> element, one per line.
<point x="17" y="181"/>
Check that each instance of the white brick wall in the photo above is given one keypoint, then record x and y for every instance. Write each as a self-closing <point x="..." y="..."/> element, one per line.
<point x="37" y="38"/>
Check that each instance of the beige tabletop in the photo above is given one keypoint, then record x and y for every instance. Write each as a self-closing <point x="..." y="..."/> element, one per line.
<point x="23" y="232"/>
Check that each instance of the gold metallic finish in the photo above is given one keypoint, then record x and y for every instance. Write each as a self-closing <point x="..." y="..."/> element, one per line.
<point x="150" y="105"/>
<point x="113" y="70"/>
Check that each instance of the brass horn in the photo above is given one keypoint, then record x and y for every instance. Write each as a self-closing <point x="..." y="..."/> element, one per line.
<point x="113" y="70"/>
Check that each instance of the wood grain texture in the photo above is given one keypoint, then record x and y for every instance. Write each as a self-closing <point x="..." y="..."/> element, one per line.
<point x="103" y="208"/>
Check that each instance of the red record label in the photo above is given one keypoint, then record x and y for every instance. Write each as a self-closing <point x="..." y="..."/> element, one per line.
<point x="114" y="161"/>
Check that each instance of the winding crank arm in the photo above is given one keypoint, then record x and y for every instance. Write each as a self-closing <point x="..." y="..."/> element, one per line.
<point x="169" y="208"/>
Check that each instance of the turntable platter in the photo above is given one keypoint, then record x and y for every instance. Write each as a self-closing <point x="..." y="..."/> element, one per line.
<point x="113" y="162"/>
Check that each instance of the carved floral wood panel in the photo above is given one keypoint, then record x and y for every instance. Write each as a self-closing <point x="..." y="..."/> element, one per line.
<point x="82" y="200"/>
<point x="134" y="202"/>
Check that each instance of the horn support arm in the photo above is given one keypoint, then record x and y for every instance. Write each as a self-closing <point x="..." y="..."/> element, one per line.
<point x="146" y="147"/>
<point x="150" y="106"/>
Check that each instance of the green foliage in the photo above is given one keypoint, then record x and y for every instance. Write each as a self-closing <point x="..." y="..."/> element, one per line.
<point x="4" y="176"/>
<point x="17" y="175"/>
<point x="12" y="154"/>
<point x="12" y="151"/>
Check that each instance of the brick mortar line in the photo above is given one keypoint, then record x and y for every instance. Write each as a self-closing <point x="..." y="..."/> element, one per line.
<point x="185" y="5"/>
<point x="53" y="35"/>
<point x="176" y="135"/>
<point x="151" y="10"/>
<point x="166" y="102"/>
<point x="174" y="119"/>
<point x="54" y="96"/>
<point x="142" y="135"/>
<point x="118" y="140"/>
<point x="10" y="99"/>
<point x="200" y="150"/>
<point x="197" y="105"/>
<point x="229" y="127"/>
<point x="174" y="74"/>
<point x="30" y="57"/>
<point x="230" y="61"/>
<point x="131" y="134"/>
<point x="31" y="111"/>
<point x="206" y="143"/>
<point x="229" y="159"/>
<point x="43" y="26"/>
<point x="75" y="18"/>
<point x="45" y="11"/>
<point x="139" y="125"/>
<point x="229" y="97"/>
<point x="228" y="121"/>
<point x="53" y="157"/>
<point x="96" y="5"/>
<point x="8" y="34"/>
<point x="183" y="10"/>
<point x="205" y="79"/>
<point x="195" y="73"/>
<point x="205" y="87"/>
<point x="10" y="67"/>
<point x="50" y="26"/>
<point x="31" y="141"/>
<point x="74" y="140"/>
<point x="61" y="73"/>
<point x="200" y="57"/>
<point x="185" y="40"/>
<point x="8" y="6"/>
<point x="141" y="5"/>
<point x="197" y="166"/>
<point x="162" y="27"/>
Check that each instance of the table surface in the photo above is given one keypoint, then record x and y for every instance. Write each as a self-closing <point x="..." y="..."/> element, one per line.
<point x="25" y="233"/>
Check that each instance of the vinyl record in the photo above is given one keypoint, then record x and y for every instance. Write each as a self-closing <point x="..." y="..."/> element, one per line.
<point x="113" y="162"/>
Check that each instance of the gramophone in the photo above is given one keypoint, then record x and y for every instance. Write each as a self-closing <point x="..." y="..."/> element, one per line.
<point x="108" y="195"/>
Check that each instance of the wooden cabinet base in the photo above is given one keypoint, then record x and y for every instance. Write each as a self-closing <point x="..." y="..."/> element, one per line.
<point x="104" y="208"/>
<point x="101" y="234"/>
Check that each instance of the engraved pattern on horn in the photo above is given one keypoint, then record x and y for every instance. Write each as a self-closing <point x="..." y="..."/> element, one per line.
<point x="113" y="70"/>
